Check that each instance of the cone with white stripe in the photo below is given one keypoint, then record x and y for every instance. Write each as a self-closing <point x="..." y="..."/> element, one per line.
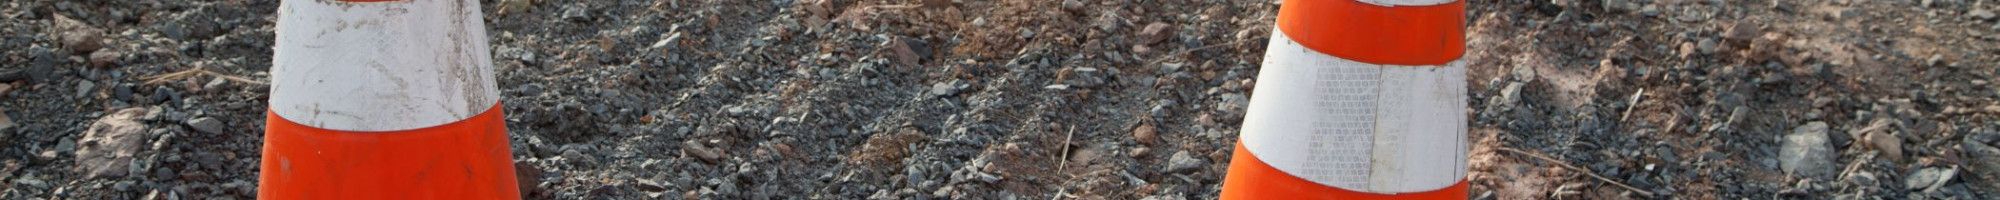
<point x="1357" y="99"/>
<point x="374" y="99"/>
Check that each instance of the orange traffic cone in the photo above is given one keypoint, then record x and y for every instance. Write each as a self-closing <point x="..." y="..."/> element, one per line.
<point x="1357" y="99"/>
<point x="384" y="100"/>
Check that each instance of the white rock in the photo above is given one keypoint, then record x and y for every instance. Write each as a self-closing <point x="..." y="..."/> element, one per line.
<point x="1807" y="152"/>
<point x="1184" y="161"/>
<point x="111" y="143"/>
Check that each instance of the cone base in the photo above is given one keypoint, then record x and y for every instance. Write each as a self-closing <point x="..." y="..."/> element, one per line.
<point x="1250" y="178"/>
<point x="467" y="159"/>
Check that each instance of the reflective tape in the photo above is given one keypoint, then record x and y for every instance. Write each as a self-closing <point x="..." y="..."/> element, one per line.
<point x="1360" y="126"/>
<point x="381" y="66"/>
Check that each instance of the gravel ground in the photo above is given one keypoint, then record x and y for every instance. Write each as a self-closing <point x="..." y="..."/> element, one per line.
<point x="1041" y="99"/>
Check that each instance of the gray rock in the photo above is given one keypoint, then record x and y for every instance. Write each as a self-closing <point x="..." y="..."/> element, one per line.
<point x="164" y="140"/>
<point x="1155" y="32"/>
<point x="575" y="13"/>
<point x="166" y="96"/>
<point x="84" y="88"/>
<point x="1939" y="3"/>
<point x="65" y="146"/>
<point x="196" y="24"/>
<point x="1742" y="31"/>
<point x="1708" y="46"/>
<point x="207" y="159"/>
<point x="908" y="51"/>
<point x="944" y="89"/>
<point x="1106" y="23"/>
<point x="111" y="143"/>
<point x="206" y="125"/>
<point x="122" y="186"/>
<point x="1619" y="5"/>
<point x="1184" y="161"/>
<point x="1650" y="10"/>
<point x="1807" y="152"/>
<point x="697" y="150"/>
<point x="218" y="83"/>
<point x="1861" y="178"/>
<point x="986" y="177"/>
<point x="104" y="59"/>
<point x="531" y="89"/>
<point x="6" y="123"/>
<point x="1692" y="15"/>
<point x="1230" y="104"/>
<point x="528" y="176"/>
<point x="1163" y="197"/>
<point x="1890" y="145"/>
<point x="1171" y="67"/>
<point x="1923" y="178"/>
<point x="77" y="36"/>
<point x="1982" y="158"/>
<point x="12" y="74"/>
<point x="122" y="92"/>
<point x="1073" y="5"/>
<point x="937" y="4"/>
<point x="1085" y="77"/>
<point x="1505" y="101"/>
<point x="1980" y="14"/>
<point x="241" y="187"/>
<point x="573" y="153"/>
<point x="43" y="68"/>
<point x="31" y="182"/>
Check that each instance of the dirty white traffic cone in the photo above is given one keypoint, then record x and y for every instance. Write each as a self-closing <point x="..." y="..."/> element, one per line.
<point x="1357" y="99"/>
<point x="384" y="100"/>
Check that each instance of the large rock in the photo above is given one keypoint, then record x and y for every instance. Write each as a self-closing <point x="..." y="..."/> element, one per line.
<point x="1982" y="155"/>
<point x="1183" y="161"/>
<point x="41" y="70"/>
<point x="6" y="123"/>
<point x="111" y="143"/>
<point x="207" y="125"/>
<point x="77" y="36"/>
<point x="1924" y="178"/>
<point x="1807" y="152"/>
<point x="1146" y="134"/>
<point x="1980" y="14"/>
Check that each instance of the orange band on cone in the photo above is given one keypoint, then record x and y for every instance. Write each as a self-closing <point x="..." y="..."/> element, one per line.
<point x="467" y="159"/>
<point x="1398" y="35"/>
<point x="1250" y="178"/>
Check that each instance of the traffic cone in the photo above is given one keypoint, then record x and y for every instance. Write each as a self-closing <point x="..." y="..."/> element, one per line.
<point x="1357" y="99"/>
<point x="384" y="100"/>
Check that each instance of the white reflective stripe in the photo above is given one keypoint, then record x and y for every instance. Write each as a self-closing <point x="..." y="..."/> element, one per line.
<point x="1358" y="126"/>
<point x="1420" y="128"/>
<point x="1401" y="2"/>
<point x="381" y="66"/>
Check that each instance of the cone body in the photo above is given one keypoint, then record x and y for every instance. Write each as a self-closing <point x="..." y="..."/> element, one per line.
<point x="384" y="100"/>
<point x="1357" y="99"/>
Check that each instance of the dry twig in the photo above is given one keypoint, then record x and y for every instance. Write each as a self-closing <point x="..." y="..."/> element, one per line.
<point x="1064" y="163"/>
<point x="1573" y="167"/>
<point x="1636" y="97"/>
<point x="198" y="70"/>
<point x="1157" y="61"/>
